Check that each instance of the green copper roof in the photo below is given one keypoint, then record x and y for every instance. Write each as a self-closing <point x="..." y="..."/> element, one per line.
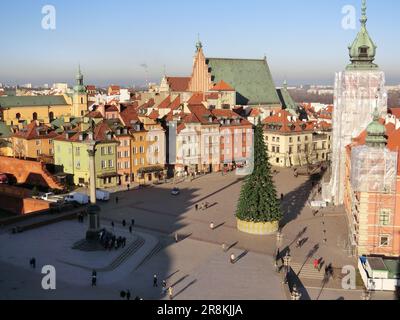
<point x="79" y="87"/>
<point x="28" y="101"/>
<point x="376" y="132"/>
<point x="363" y="50"/>
<point x="286" y="100"/>
<point x="251" y="79"/>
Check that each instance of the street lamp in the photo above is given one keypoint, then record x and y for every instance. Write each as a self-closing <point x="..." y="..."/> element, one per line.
<point x="296" y="295"/>
<point x="286" y="261"/>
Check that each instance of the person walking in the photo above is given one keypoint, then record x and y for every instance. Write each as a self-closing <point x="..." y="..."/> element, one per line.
<point x="112" y="224"/>
<point x="128" y="295"/>
<point x="116" y="200"/>
<point x="164" y="287"/>
<point x="133" y="223"/>
<point x="316" y="263"/>
<point x="124" y="223"/>
<point x="130" y="229"/>
<point x="196" y="207"/>
<point x="94" y="278"/>
<point x="176" y="237"/>
<point x="155" y="281"/>
<point x="170" y="293"/>
<point x="128" y="186"/>
<point x="34" y="263"/>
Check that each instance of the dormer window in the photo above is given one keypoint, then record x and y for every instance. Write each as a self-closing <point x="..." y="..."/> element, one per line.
<point x="363" y="52"/>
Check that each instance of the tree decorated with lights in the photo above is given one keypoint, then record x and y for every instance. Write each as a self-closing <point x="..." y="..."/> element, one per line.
<point x="258" y="202"/>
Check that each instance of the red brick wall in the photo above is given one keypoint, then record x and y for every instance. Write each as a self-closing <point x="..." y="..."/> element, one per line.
<point x="29" y="172"/>
<point x="18" y="201"/>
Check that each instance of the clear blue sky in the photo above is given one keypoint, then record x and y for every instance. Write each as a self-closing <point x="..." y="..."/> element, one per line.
<point x="302" y="39"/>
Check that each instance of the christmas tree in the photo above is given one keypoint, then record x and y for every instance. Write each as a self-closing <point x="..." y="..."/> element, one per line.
<point x="258" y="201"/>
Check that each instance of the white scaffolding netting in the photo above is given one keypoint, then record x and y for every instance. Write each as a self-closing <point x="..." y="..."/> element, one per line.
<point x="373" y="170"/>
<point x="357" y="93"/>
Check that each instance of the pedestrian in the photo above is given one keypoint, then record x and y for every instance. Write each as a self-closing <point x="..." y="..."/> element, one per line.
<point x="124" y="223"/>
<point x="164" y="287"/>
<point x="316" y="263"/>
<point x="128" y="295"/>
<point x="155" y="281"/>
<point x="176" y="237"/>
<point x="94" y="279"/>
<point x="128" y="186"/>
<point x="212" y="226"/>
<point x="112" y="224"/>
<point x="116" y="200"/>
<point x="130" y="229"/>
<point x="133" y="223"/>
<point x="298" y="243"/>
<point x="278" y="254"/>
<point x="233" y="258"/>
<point x="33" y="263"/>
<point x="170" y="293"/>
<point x="196" y="207"/>
<point x="282" y="196"/>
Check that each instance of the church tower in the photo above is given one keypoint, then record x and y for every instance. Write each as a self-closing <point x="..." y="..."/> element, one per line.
<point x="358" y="91"/>
<point x="79" y="98"/>
<point x="201" y="78"/>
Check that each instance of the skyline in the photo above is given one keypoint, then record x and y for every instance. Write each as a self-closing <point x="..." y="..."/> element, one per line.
<point x="114" y="45"/>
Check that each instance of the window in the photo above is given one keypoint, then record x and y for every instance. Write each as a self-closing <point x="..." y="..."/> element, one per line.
<point x="103" y="151"/>
<point x="136" y="162"/>
<point x="306" y="138"/>
<point x="127" y="165"/>
<point x="298" y="139"/>
<point x="126" y="154"/>
<point x="141" y="149"/>
<point x="110" y="163"/>
<point x="103" y="164"/>
<point x="384" y="241"/>
<point x="277" y="160"/>
<point x="142" y="161"/>
<point x="384" y="217"/>
<point x="290" y="150"/>
<point x="156" y="138"/>
<point x="273" y="139"/>
<point x="110" y="150"/>
<point x="34" y="116"/>
<point x="141" y="138"/>
<point x="134" y="151"/>
<point x="78" y="164"/>
<point x="119" y="154"/>
<point x="273" y="149"/>
<point x="38" y="142"/>
<point x="277" y="149"/>
<point x="119" y="165"/>
<point x="38" y="152"/>
<point x="290" y="140"/>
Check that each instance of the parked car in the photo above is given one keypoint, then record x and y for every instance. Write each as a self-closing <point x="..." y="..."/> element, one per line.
<point x="3" y="178"/>
<point x="51" y="197"/>
<point x="80" y="198"/>
<point x="102" y="195"/>
<point x="175" y="192"/>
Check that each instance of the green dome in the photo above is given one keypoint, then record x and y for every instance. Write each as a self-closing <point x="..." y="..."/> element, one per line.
<point x="363" y="50"/>
<point x="376" y="132"/>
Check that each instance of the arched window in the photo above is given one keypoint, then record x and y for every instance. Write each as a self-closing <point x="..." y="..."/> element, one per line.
<point x="34" y="116"/>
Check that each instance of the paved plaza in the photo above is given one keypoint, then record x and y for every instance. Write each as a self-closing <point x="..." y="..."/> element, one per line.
<point x="196" y="267"/>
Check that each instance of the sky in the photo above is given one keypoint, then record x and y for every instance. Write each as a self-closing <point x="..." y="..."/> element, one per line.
<point x="129" y="42"/>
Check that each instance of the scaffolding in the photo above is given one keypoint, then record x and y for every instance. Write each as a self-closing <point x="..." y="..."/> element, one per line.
<point x="373" y="170"/>
<point x="357" y="93"/>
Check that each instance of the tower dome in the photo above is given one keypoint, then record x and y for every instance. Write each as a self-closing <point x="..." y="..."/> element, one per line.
<point x="376" y="132"/>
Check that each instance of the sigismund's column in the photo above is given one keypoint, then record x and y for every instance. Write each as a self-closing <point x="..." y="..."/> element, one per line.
<point x="93" y="211"/>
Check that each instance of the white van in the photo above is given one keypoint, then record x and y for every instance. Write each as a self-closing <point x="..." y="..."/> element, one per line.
<point x="102" y="195"/>
<point x="80" y="198"/>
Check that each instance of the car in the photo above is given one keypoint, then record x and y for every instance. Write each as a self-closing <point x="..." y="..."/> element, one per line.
<point x="175" y="191"/>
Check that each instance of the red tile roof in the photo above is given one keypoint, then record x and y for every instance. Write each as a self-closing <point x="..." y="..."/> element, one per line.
<point x="154" y="115"/>
<point x="34" y="131"/>
<point x="222" y="86"/>
<point x="178" y="84"/>
<point x="196" y="99"/>
<point x="395" y="112"/>
<point x="129" y="115"/>
<point x="165" y="103"/>
<point x="284" y="122"/>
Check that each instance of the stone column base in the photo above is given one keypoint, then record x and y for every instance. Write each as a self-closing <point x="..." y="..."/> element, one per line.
<point x="261" y="229"/>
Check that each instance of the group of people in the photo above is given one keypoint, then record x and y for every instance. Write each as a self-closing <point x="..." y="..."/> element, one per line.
<point x="110" y="241"/>
<point x="170" y="290"/>
<point x="203" y="206"/>
<point x="319" y="263"/>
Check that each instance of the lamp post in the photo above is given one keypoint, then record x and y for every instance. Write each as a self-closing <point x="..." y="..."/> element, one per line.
<point x="286" y="261"/>
<point x="296" y="295"/>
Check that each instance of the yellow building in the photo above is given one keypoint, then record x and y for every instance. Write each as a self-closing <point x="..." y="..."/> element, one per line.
<point x="291" y="142"/>
<point x="18" y="109"/>
<point x="34" y="141"/>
